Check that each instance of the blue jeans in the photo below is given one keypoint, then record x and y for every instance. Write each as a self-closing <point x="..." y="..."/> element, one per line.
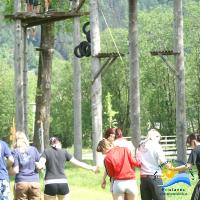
<point x="4" y="190"/>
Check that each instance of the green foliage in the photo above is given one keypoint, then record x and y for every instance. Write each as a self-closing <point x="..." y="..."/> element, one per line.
<point x="8" y="6"/>
<point x="32" y="80"/>
<point x="7" y="108"/>
<point x="192" y="65"/>
<point x="61" y="103"/>
<point x="109" y="112"/>
<point x="157" y="81"/>
<point x="114" y="77"/>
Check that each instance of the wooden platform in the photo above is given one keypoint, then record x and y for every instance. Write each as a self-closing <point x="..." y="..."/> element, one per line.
<point x="32" y="19"/>
<point x="107" y="55"/>
<point x="166" y="52"/>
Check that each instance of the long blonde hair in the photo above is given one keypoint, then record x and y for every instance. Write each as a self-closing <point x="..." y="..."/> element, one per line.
<point x="22" y="142"/>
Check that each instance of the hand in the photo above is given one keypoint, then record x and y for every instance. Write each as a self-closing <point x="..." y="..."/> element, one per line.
<point x="172" y="168"/>
<point x="103" y="184"/>
<point x="95" y="169"/>
<point x="38" y="165"/>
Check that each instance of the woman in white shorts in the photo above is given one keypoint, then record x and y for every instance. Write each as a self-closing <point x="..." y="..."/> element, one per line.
<point x="119" y="164"/>
<point x="115" y="136"/>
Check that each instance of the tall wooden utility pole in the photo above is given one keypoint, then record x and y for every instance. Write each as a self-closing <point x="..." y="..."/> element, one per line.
<point x="96" y="91"/>
<point x="134" y="73"/>
<point x="180" y="81"/>
<point x="77" y="91"/>
<point x="19" y="67"/>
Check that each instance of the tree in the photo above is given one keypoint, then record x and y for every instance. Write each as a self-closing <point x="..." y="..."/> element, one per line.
<point x="43" y="92"/>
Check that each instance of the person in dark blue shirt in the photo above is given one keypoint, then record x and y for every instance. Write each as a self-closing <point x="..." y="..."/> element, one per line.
<point x="4" y="178"/>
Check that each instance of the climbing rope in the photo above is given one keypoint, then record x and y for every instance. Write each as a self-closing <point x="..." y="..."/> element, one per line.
<point x="110" y="32"/>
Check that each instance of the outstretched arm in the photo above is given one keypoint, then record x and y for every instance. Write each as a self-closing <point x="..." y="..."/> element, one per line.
<point x="84" y="165"/>
<point x="41" y="163"/>
<point x="183" y="167"/>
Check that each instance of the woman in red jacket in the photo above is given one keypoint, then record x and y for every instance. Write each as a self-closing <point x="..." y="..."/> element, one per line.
<point x="119" y="164"/>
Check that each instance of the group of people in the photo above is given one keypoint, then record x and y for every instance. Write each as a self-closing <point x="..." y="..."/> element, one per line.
<point x="121" y="159"/>
<point x="25" y="161"/>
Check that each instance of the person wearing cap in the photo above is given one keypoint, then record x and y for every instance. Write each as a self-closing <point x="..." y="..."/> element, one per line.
<point x="151" y="156"/>
<point x="54" y="158"/>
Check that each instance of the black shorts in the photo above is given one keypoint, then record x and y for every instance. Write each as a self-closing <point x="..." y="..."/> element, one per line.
<point x="32" y="2"/>
<point x="56" y="189"/>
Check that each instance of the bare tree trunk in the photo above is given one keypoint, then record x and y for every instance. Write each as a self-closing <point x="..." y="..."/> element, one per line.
<point x="77" y="92"/>
<point x="96" y="92"/>
<point x="19" y="67"/>
<point x="43" y="93"/>
<point x="134" y="73"/>
<point x="180" y="82"/>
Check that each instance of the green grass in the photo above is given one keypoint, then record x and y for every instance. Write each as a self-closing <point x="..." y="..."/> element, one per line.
<point x="85" y="185"/>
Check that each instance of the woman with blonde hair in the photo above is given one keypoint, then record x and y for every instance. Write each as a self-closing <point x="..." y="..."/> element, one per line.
<point x="27" y="184"/>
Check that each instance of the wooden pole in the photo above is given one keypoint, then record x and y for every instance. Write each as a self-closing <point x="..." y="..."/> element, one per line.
<point x="19" y="66"/>
<point x="134" y="73"/>
<point x="180" y="81"/>
<point x="77" y="90"/>
<point x="96" y="91"/>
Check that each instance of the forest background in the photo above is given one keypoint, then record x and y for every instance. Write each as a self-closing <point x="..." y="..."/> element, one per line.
<point x="157" y="82"/>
